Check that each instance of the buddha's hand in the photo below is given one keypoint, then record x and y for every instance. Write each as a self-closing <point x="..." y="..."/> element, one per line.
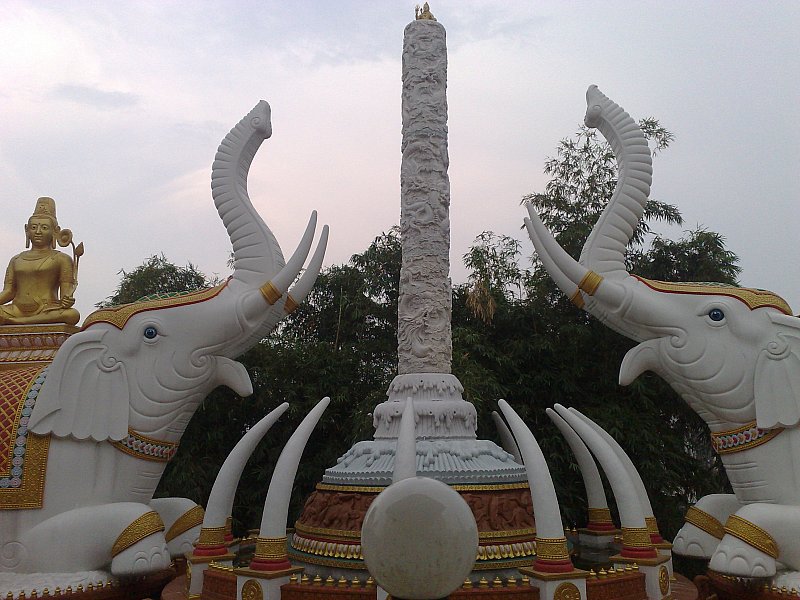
<point x="67" y="301"/>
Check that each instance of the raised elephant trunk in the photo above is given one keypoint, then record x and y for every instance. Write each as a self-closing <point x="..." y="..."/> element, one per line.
<point x="602" y="261"/>
<point x="604" y="250"/>
<point x="258" y="261"/>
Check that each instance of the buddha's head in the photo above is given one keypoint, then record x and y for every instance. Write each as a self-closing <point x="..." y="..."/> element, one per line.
<point x="42" y="228"/>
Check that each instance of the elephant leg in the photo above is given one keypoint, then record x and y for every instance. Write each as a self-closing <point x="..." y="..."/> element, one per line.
<point x="182" y="521"/>
<point x="704" y="526"/>
<point x="128" y="535"/>
<point x="756" y="537"/>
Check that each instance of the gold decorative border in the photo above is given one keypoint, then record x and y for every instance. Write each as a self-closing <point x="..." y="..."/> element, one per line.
<point x="144" y="525"/>
<point x="359" y="564"/>
<point x="119" y="315"/>
<point x="191" y="518"/>
<point x="590" y="282"/>
<point x="211" y="537"/>
<point x="752" y="534"/>
<point x="761" y="436"/>
<point x="552" y="548"/>
<point x="705" y="521"/>
<point x="31" y="493"/>
<point x="347" y="534"/>
<point x="752" y="297"/>
<point x="169" y="448"/>
<point x="271" y="548"/>
<point x="459" y="487"/>
<point x="636" y="537"/>
<point x="600" y="515"/>
<point x="270" y="293"/>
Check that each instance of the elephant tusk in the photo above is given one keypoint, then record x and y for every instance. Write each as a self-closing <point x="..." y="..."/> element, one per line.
<point x="506" y="437"/>
<point x="595" y="495"/>
<point x="629" y="467"/>
<point x="271" y="551"/>
<point x="273" y="290"/>
<point x="405" y="456"/>
<point x="303" y="286"/>
<point x="565" y="270"/>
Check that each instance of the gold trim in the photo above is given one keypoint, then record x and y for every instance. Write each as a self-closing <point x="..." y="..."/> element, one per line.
<point x="577" y="299"/>
<point x="600" y="515"/>
<point x="752" y="534"/>
<point x="290" y="305"/>
<point x="663" y="580"/>
<point x="31" y="493"/>
<point x="119" y="315"/>
<point x="567" y="591"/>
<point x="211" y="537"/>
<point x="752" y="297"/>
<point x="145" y="525"/>
<point x="652" y="525"/>
<point x="270" y="293"/>
<point x="166" y="453"/>
<point x="251" y="590"/>
<point x="552" y="548"/>
<point x="757" y="436"/>
<point x="459" y="487"/>
<point x="343" y="533"/>
<point x="705" y="521"/>
<point x="191" y="518"/>
<point x="270" y="548"/>
<point x="636" y="537"/>
<point x="590" y="282"/>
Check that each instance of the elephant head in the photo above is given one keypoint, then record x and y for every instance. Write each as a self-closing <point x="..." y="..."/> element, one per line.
<point x="145" y="367"/>
<point x="732" y="353"/>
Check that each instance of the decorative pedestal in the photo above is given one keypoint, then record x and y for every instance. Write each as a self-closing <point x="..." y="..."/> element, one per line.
<point x="30" y="345"/>
<point x="658" y="579"/>
<point x="196" y="568"/>
<point x="558" y="586"/>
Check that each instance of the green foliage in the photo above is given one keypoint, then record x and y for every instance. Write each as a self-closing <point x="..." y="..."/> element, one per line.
<point x="156" y="275"/>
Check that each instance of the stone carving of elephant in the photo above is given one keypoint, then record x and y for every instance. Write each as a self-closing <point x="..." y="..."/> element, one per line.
<point x="732" y="353"/>
<point x="119" y="394"/>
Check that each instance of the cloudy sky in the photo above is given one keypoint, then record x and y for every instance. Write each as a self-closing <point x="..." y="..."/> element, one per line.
<point x="116" y="109"/>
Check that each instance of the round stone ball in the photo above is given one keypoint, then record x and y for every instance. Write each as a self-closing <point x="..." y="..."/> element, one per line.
<point x="419" y="539"/>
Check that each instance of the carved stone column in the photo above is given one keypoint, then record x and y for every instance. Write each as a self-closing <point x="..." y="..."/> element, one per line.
<point x="425" y="303"/>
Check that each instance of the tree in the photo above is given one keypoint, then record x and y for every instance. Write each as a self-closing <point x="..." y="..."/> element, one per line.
<point x="156" y="275"/>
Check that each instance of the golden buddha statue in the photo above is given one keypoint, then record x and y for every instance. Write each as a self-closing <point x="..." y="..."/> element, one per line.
<point x="40" y="282"/>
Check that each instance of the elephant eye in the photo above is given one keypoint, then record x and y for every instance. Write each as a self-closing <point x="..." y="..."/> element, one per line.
<point x="150" y="332"/>
<point x="716" y="314"/>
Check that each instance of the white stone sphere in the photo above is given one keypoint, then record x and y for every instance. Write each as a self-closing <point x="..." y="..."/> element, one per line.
<point x="419" y="539"/>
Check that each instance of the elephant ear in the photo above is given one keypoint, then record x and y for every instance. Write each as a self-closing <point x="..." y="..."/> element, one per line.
<point x="85" y="394"/>
<point x="777" y="377"/>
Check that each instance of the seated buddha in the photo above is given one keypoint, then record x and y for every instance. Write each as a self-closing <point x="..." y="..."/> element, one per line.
<point x="40" y="282"/>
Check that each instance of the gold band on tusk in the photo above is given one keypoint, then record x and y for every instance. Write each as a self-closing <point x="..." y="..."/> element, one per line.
<point x="270" y="293"/>
<point x="590" y="282"/>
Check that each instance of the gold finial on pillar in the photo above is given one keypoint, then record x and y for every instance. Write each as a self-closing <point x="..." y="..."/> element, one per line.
<point x="424" y="13"/>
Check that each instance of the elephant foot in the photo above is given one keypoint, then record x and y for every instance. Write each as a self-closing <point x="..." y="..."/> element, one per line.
<point x="736" y="557"/>
<point x="182" y="522"/>
<point x="145" y="556"/>
<point x="694" y="542"/>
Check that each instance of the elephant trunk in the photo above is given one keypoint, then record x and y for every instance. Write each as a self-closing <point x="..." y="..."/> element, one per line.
<point x="261" y="276"/>
<point x="593" y="282"/>
<point x="604" y="250"/>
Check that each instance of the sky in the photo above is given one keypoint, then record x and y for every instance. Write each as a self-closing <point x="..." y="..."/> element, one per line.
<point x="116" y="109"/>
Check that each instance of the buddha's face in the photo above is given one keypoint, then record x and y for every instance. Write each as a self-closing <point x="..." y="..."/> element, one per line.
<point x="40" y="232"/>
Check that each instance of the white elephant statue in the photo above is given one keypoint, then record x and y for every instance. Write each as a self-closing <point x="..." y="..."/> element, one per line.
<point x="106" y="416"/>
<point x="732" y="353"/>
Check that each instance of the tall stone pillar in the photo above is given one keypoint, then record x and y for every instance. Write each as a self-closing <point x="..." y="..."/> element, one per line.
<point x="425" y="302"/>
